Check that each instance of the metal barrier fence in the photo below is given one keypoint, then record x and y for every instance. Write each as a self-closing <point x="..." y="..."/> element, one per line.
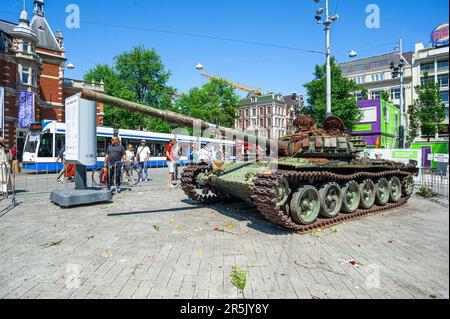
<point x="49" y="179"/>
<point x="435" y="180"/>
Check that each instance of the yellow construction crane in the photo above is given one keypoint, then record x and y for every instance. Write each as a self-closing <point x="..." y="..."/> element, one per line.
<point x="256" y="92"/>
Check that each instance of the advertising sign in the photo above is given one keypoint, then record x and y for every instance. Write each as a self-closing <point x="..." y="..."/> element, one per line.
<point x="439" y="36"/>
<point x="441" y="158"/>
<point x="26" y="109"/>
<point x="81" y="131"/>
<point x="397" y="155"/>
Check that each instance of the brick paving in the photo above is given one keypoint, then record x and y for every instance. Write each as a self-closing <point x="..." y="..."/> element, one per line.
<point x="115" y="251"/>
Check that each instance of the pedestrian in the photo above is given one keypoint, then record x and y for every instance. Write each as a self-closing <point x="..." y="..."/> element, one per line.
<point x="191" y="154"/>
<point x="143" y="157"/>
<point x="131" y="156"/>
<point x="170" y="158"/>
<point x="61" y="157"/>
<point x="203" y="155"/>
<point x="115" y="154"/>
<point x="5" y="169"/>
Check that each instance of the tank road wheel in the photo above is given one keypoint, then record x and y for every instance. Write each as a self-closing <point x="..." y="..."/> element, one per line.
<point x="408" y="186"/>
<point x="283" y="191"/>
<point x="382" y="192"/>
<point x="367" y="189"/>
<point x="351" y="197"/>
<point x="395" y="190"/>
<point x="305" y="205"/>
<point x="330" y="200"/>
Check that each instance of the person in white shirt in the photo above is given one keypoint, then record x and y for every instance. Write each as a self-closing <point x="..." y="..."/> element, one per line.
<point x="203" y="155"/>
<point x="143" y="156"/>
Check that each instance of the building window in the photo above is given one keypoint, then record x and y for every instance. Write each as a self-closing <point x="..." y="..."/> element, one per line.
<point x="25" y="75"/>
<point x="269" y="122"/>
<point x="444" y="97"/>
<point x="358" y="96"/>
<point x="427" y="67"/>
<point x="395" y="94"/>
<point x="443" y="64"/>
<point x="253" y="112"/>
<point x="443" y="80"/>
<point x="25" y="47"/>
<point x="377" y="77"/>
<point x="358" y="67"/>
<point x="247" y="113"/>
<point x="261" y="122"/>
<point x="376" y="95"/>
<point x="269" y="110"/>
<point x="261" y="111"/>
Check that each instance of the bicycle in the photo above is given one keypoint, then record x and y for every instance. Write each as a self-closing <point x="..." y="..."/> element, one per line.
<point x="130" y="175"/>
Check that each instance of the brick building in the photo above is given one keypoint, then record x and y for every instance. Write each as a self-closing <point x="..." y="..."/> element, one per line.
<point x="32" y="59"/>
<point x="269" y="115"/>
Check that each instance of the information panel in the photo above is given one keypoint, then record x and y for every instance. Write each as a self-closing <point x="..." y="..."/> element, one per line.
<point x="81" y="131"/>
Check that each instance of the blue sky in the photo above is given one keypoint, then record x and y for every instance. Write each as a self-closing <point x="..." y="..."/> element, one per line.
<point x="287" y="23"/>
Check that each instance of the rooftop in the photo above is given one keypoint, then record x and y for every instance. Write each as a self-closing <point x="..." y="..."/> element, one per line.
<point x="375" y="63"/>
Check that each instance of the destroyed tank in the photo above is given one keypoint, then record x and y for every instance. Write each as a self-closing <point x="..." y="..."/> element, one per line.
<point x="319" y="178"/>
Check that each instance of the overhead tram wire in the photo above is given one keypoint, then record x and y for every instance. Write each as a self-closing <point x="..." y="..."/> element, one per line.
<point x="186" y="34"/>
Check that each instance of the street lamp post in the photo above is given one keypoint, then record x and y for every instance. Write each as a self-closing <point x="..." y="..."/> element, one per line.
<point x="398" y="71"/>
<point x="327" y="23"/>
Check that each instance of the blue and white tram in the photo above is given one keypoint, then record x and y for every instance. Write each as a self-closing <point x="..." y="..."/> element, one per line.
<point x="44" y="143"/>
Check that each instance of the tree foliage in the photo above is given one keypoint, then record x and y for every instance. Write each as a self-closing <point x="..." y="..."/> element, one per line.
<point x="428" y="111"/>
<point x="364" y="93"/>
<point x="138" y="76"/>
<point x="344" y="104"/>
<point x="215" y="102"/>
<point x="385" y="96"/>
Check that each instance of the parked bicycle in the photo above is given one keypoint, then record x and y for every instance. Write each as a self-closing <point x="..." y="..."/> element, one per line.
<point x="130" y="175"/>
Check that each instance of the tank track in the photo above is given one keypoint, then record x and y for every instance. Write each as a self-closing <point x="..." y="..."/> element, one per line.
<point x="189" y="184"/>
<point x="266" y="201"/>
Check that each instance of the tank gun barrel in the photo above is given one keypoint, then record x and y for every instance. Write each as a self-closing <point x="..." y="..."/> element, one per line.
<point x="169" y="116"/>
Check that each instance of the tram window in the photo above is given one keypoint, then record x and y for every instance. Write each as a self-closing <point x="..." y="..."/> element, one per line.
<point x="46" y="146"/>
<point x="102" y="145"/>
<point x="157" y="148"/>
<point x="60" y="144"/>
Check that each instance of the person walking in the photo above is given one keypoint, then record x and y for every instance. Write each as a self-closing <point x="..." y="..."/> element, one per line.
<point x="61" y="157"/>
<point x="170" y="158"/>
<point x="5" y="169"/>
<point x="143" y="157"/>
<point x="113" y="159"/>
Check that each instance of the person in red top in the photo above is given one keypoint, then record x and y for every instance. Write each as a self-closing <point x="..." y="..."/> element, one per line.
<point x="170" y="158"/>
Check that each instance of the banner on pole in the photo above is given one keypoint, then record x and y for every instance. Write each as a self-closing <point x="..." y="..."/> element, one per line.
<point x="26" y="109"/>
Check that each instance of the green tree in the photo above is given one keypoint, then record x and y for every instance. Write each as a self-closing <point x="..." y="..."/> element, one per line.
<point x="215" y="102"/>
<point x="344" y="104"/>
<point x="138" y="76"/>
<point x="428" y="111"/>
<point x="364" y="93"/>
<point x="385" y="96"/>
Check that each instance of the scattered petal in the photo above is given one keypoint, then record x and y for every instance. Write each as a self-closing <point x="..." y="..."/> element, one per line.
<point x="157" y="227"/>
